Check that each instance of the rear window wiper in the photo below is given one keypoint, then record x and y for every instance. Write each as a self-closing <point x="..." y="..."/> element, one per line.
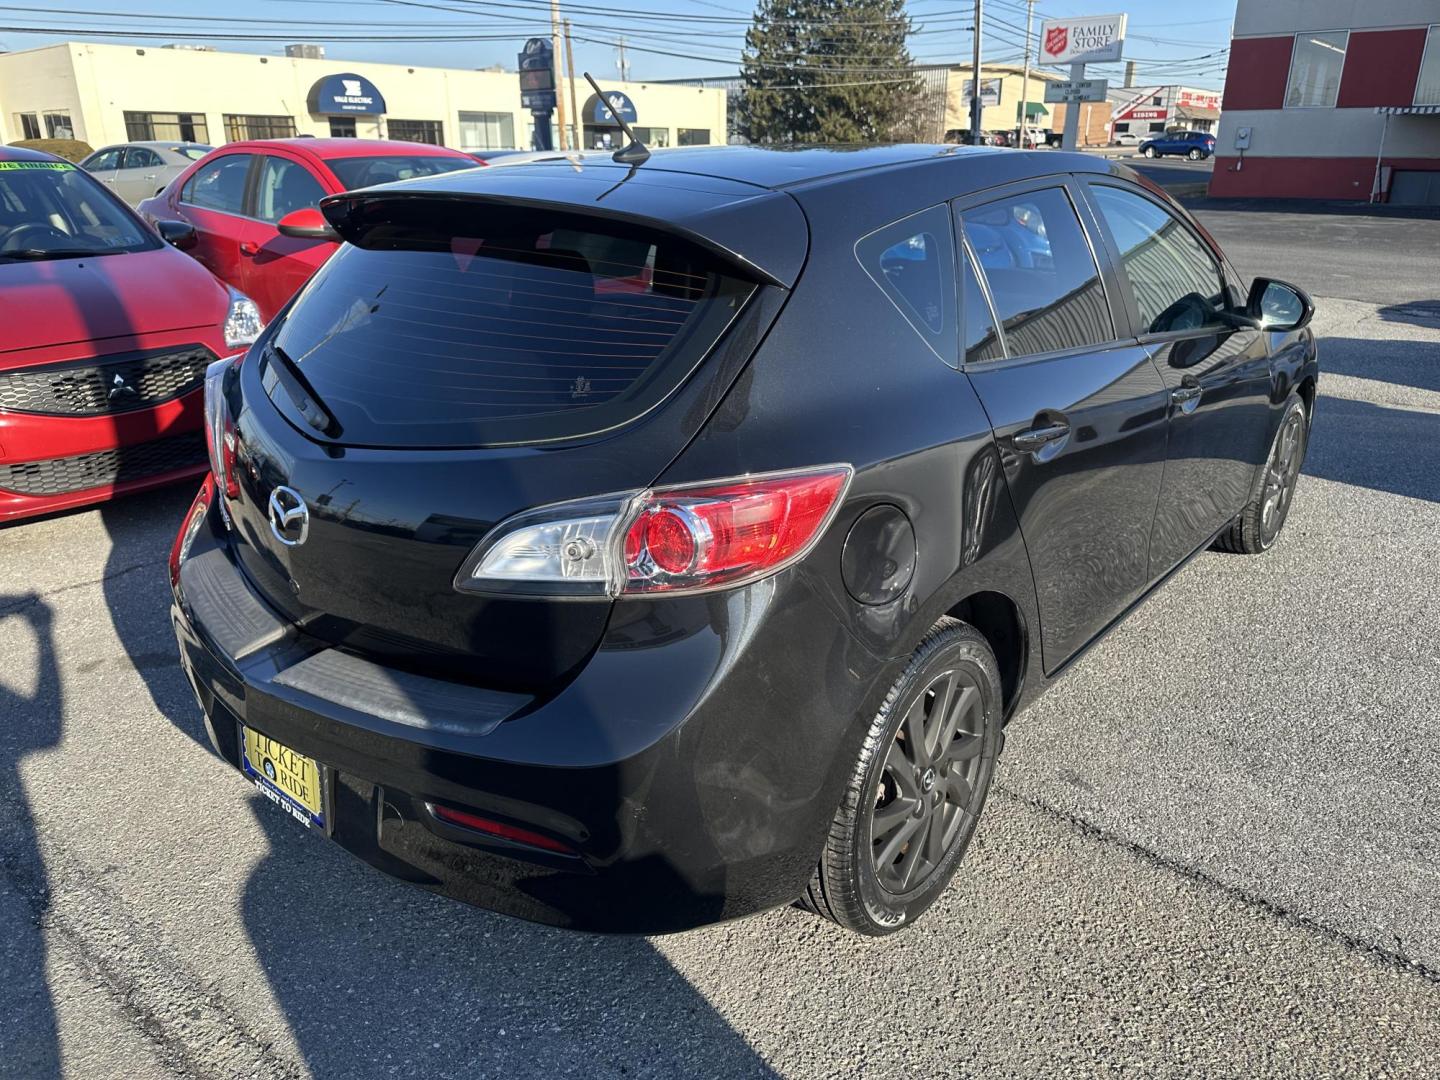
<point x="302" y="394"/>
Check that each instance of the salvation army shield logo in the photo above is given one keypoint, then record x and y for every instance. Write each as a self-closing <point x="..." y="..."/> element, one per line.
<point x="1056" y="38"/>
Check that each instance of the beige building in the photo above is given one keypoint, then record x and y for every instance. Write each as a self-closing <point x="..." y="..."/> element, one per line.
<point x="1001" y="87"/>
<point x="105" y="94"/>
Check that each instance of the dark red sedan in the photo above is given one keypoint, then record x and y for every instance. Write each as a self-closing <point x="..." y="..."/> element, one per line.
<point x="108" y="331"/>
<point x="253" y="204"/>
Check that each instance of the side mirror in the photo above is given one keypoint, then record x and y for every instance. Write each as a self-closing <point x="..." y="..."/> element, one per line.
<point x="178" y="234"/>
<point x="307" y="223"/>
<point x="1278" y="306"/>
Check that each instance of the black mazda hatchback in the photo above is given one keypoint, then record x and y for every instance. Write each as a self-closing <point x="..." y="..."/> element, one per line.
<point x="633" y="546"/>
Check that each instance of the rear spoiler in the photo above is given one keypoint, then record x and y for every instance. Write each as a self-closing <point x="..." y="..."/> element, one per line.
<point x="760" y="233"/>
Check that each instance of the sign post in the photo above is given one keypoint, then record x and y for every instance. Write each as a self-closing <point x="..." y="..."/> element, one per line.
<point x="1077" y="42"/>
<point x="537" y="88"/>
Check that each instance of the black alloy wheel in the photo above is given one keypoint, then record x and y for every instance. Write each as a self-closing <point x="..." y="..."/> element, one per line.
<point x="917" y="790"/>
<point x="928" y="785"/>
<point x="1258" y="525"/>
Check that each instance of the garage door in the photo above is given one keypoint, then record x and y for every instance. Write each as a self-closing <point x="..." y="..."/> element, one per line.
<point x="1413" y="187"/>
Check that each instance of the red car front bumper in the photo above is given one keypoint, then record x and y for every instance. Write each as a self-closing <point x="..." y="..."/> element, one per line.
<point x="58" y="452"/>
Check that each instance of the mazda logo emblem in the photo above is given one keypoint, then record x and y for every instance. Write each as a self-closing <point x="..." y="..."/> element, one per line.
<point x="289" y="516"/>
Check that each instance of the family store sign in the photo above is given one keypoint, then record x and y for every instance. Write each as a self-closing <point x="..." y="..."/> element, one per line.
<point x="1087" y="40"/>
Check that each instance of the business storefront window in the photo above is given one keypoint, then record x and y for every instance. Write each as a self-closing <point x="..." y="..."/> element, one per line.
<point x="58" y="126"/>
<point x="246" y="126"/>
<point x="487" y="131"/>
<point x="342" y="127"/>
<point x="1427" y="87"/>
<point x="653" y="136"/>
<point x="693" y="137"/>
<point x="166" y="127"/>
<point x="1315" y="70"/>
<point x="426" y="131"/>
<point x="29" y="125"/>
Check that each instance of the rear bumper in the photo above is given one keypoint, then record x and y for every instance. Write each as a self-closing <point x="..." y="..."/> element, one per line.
<point x="693" y="775"/>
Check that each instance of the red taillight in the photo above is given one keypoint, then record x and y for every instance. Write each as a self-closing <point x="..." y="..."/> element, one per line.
<point x="220" y="426"/>
<point x="687" y="538"/>
<point x="500" y="829"/>
<point x="706" y="536"/>
<point x="189" y="527"/>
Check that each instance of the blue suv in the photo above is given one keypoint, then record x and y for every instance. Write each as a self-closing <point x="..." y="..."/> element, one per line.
<point x="1196" y="145"/>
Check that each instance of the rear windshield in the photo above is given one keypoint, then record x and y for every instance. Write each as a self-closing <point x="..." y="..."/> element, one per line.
<point x="359" y="172"/>
<point x="457" y="326"/>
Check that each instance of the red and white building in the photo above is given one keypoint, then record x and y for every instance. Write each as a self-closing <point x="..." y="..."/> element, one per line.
<point x="1332" y="99"/>
<point x="1151" y="110"/>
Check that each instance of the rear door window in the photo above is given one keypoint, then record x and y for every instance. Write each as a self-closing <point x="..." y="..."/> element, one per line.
<point x="454" y="325"/>
<point x="219" y="184"/>
<point x="1042" y="274"/>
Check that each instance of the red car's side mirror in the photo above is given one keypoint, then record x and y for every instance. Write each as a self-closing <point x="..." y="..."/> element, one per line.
<point x="307" y="224"/>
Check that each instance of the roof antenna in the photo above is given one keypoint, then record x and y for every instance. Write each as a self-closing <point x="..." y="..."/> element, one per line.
<point x="636" y="152"/>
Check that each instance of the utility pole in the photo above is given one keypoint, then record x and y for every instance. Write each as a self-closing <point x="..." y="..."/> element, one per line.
<point x="560" y="96"/>
<point x="1025" y="79"/>
<point x="623" y="64"/>
<point x="570" y="68"/>
<point x="975" y="104"/>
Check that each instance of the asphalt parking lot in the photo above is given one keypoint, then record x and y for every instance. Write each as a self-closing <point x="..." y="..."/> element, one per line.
<point x="1214" y="849"/>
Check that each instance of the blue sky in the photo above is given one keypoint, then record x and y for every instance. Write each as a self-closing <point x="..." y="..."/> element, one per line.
<point x="1174" y="40"/>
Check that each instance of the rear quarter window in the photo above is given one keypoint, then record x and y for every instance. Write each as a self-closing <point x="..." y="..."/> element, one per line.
<point x="449" y="326"/>
<point x="913" y="262"/>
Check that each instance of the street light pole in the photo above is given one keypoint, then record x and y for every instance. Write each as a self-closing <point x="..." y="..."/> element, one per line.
<point x="975" y="105"/>
<point x="1025" y="79"/>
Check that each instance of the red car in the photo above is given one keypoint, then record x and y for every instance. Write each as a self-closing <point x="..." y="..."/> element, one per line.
<point x="253" y="204"/>
<point x="107" y="334"/>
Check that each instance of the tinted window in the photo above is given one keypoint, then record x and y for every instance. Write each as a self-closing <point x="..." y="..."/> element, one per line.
<point x="220" y="184"/>
<point x="981" y="340"/>
<point x="283" y="186"/>
<point x="1176" y="283"/>
<point x="140" y="157"/>
<point x="359" y="172"/>
<point x="1041" y="272"/>
<point x="67" y="211"/>
<point x="913" y="261"/>
<point x="445" y="325"/>
<point x="104" y="161"/>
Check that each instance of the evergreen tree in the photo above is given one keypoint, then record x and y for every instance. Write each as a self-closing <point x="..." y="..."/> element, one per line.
<point x="829" y="71"/>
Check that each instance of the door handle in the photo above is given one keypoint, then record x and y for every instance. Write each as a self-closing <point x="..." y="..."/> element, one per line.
<point x="148" y="176"/>
<point x="1187" y="393"/>
<point x="110" y="179"/>
<point x="1035" y="438"/>
<point x="247" y="248"/>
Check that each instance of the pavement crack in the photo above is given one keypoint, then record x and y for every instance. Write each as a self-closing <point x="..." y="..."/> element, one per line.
<point x="1391" y="958"/>
<point x="34" y="598"/>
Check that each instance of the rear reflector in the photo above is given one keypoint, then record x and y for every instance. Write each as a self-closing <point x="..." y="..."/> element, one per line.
<point x="500" y="829"/>
<point x="684" y="539"/>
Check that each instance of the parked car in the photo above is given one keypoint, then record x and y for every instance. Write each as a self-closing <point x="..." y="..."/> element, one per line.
<point x="1194" y="145"/>
<point x="135" y="171"/>
<point x="637" y="608"/>
<point x="238" y="198"/>
<point x="108" y="332"/>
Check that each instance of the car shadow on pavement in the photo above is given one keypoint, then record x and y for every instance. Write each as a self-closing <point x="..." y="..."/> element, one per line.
<point x="375" y="975"/>
<point x="1424" y="313"/>
<point x="29" y="723"/>
<point x="1396" y="450"/>
<point x="1405" y="363"/>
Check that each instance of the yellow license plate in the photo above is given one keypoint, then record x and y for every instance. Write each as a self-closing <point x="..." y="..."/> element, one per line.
<point x="288" y="779"/>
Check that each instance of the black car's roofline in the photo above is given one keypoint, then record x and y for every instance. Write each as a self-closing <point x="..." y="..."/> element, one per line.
<point x="760" y="234"/>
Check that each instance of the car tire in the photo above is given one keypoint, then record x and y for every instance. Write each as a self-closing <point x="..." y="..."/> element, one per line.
<point x="1258" y="525"/>
<point x="1149" y="152"/>
<point x="1195" y="155"/>
<point x="927" y="759"/>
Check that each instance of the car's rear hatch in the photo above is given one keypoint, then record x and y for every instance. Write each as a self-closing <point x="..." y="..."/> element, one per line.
<point x="481" y="346"/>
